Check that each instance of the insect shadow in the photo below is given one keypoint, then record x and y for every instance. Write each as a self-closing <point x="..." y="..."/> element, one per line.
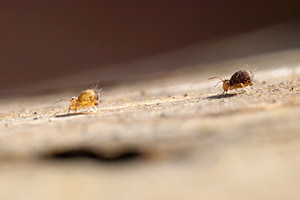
<point x="68" y="115"/>
<point x="221" y="96"/>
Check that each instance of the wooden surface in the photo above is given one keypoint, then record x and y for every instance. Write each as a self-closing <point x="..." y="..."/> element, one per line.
<point x="167" y="137"/>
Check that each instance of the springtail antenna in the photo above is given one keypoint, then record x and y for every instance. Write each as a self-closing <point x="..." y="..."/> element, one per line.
<point x="221" y="80"/>
<point x="61" y="100"/>
<point x="216" y="77"/>
<point x="218" y="83"/>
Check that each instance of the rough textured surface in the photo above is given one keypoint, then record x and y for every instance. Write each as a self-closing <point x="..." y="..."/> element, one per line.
<point x="170" y="137"/>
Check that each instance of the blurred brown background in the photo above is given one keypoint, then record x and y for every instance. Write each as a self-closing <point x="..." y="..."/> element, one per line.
<point x="42" y="40"/>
